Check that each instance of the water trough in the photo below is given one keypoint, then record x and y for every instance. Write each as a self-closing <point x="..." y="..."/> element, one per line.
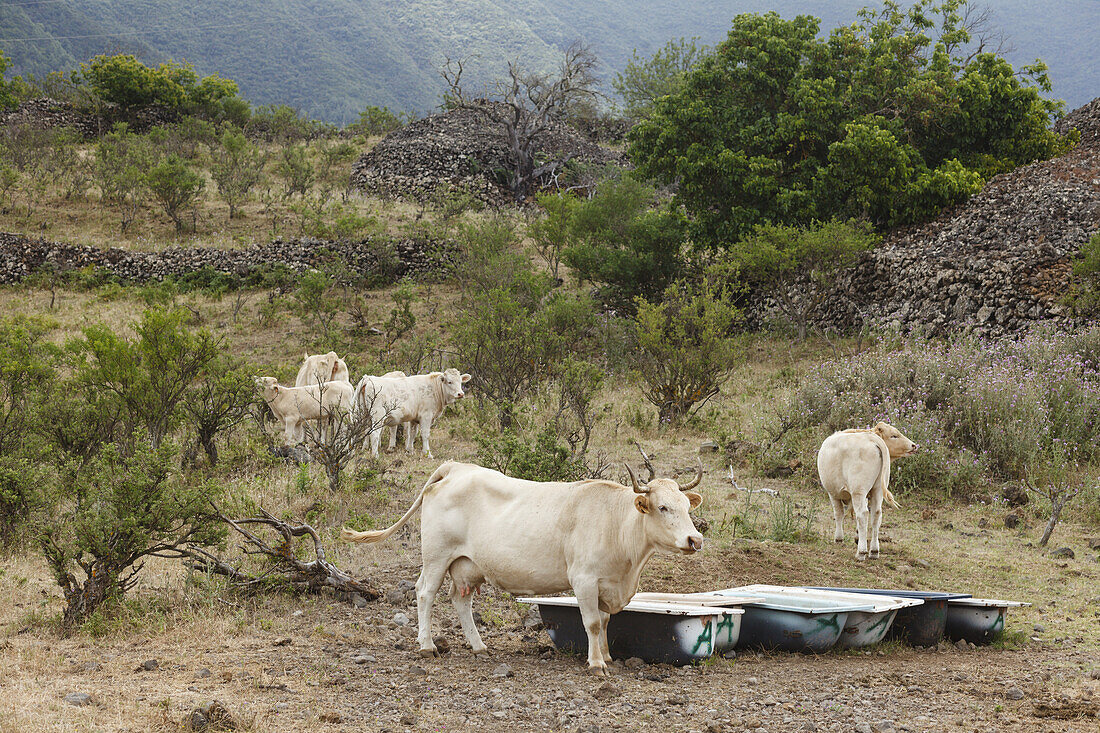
<point x="917" y="625"/>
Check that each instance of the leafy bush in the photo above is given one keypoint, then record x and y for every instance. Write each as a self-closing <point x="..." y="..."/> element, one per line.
<point x="544" y="458"/>
<point x="685" y="346"/>
<point x="1085" y="297"/>
<point x="111" y="513"/>
<point x="643" y="81"/>
<point x="145" y="379"/>
<point x="176" y="187"/>
<point x="800" y="265"/>
<point x="237" y="168"/>
<point x="379" y="121"/>
<point x="891" y="118"/>
<point x="621" y="241"/>
<point x="121" y="160"/>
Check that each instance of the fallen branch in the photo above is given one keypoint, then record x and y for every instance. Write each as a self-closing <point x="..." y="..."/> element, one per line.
<point x="309" y="575"/>
<point x="733" y="481"/>
<point x="648" y="463"/>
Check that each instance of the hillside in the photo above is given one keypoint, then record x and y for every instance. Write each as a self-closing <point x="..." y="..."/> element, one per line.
<point x="332" y="59"/>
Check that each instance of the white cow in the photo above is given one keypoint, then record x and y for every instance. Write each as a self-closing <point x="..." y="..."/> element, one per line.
<point x="408" y="426"/>
<point x="854" y="467"/>
<point x="531" y="537"/>
<point x="322" y="368"/>
<point x="420" y="399"/>
<point x="292" y="406"/>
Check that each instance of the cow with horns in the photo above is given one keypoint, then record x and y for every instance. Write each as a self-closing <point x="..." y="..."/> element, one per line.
<point x="533" y="537"/>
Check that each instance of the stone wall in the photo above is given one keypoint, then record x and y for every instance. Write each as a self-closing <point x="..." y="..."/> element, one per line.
<point x="21" y="256"/>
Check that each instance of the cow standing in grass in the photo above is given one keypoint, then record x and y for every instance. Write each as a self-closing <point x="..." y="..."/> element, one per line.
<point x="531" y="537"/>
<point x="417" y="399"/>
<point x="854" y="467"/>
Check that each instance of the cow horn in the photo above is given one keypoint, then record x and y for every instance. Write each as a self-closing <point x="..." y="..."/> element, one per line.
<point x="634" y="481"/>
<point x="695" y="481"/>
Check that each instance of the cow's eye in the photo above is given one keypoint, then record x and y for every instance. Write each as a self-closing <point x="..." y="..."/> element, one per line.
<point x="663" y="508"/>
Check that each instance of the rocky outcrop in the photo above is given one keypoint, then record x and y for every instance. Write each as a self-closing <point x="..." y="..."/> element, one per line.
<point x="51" y="114"/>
<point x="993" y="265"/>
<point x="462" y="149"/>
<point x="366" y="260"/>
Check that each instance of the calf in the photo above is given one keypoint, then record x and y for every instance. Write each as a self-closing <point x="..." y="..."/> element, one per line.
<point x="854" y="468"/>
<point x="292" y="406"/>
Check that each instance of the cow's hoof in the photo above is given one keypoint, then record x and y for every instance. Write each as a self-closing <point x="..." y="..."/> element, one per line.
<point x="838" y="540"/>
<point x="428" y="653"/>
<point x="598" y="671"/>
<point x="861" y="556"/>
<point x="872" y="555"/>
<point x="482" y="652"/>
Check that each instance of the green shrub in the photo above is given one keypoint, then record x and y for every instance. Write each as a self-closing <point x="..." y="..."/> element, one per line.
<point x="379" y="121"/>
<point x="238" y="167"/>
<point x="543" y="458"/>
<point x="111" y="513"/>
<point x="296" y="170"/>
<point x="686" y="349"/>
<point x="176" y="187"/>
<point x="1085" y="296"/>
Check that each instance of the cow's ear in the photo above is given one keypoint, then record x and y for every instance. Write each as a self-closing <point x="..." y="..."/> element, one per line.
<point x="641" y="503"/>
<point x="466" y="378"/>
<point x="435" y="375"/>
<point x="693" y="498"/>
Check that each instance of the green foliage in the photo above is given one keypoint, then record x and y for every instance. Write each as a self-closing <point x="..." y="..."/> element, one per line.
<point x="7" y="92"/>
<point x="1085" y="296"/>
<point x="491" y="255"/>
<point x="401" y="319"/>
<point x="800" y="265"/>
<point x="114" y="511"/>
<point x="623" y="241"/>
<point x="685" y="346"/>
<point x="121" y="160"/>
<point x="314" y="296"/>
<point x="296" y="170"/>
<point x="643" y="81"/>
<point x="148" y="377"/>
<point x="21" y="496"/>
<point x="176" y="187"/>
<point x="218" y="403"/>
<point x="551" y="232"/>
<point x="123" y="80"/>
<point x="379" y="121"/>
<point x="238" y="166"/>
<point x="27" y="364"/>
<point x="544" y="458"/>
<point x="890" y="118"/>
<point x="282" y="123"/>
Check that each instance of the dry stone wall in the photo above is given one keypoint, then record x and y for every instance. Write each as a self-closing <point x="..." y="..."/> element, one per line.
<point x="993" y="265"/>
<point x="21" y="256"/>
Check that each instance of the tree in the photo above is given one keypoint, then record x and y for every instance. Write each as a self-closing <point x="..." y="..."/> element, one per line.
<point x="379" y="121"/>
<point x="891" y="117"/>
<point x="218" y="403"/>
<point x="799" y="266"/>
<point x="121" y="160"/>
<point x="176" y="187"/>
<point x="626" y="241"/>
<point x="643" y="81"/>
<point x="147" y="377"/>
<point x="118" y="509"/>
<point x="524" y="105"/>
<point x="685" y="346"/>
<point x="7" y="96"/>
<point x="551" y="232"/>
<point x="237" y="168"/>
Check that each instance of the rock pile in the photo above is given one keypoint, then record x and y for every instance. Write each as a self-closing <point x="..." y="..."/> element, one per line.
<point x="21" y="256"/>
<point x="993" y="265"/>
<point x="460" y="148"/>
<point x="52" y="114"/>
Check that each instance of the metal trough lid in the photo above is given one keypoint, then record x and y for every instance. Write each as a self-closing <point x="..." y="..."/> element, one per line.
<point x="986" y="603"/>
<point x="925" y="595"/>
<point x="698" y="599"/>
<point x="808" y="600"/>
<point x="663" y="607"/>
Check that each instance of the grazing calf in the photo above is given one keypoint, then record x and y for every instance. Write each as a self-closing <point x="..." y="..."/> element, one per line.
<point x="292" y="406"/>
<point x="322" y="368"/>
<point x="530" y="537"/>
<point x="419" y="399"/>
<point x="854" y="467"/>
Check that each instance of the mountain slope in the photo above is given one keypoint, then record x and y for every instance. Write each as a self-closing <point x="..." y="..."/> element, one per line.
<point x="331" y="58"/>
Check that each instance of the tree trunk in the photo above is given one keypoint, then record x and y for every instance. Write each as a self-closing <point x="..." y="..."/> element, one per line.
<point x="1057" y="503"/>
<point x="210" y="447"/>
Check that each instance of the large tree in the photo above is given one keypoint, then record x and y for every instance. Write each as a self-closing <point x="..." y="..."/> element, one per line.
<point x="890" y="119"/>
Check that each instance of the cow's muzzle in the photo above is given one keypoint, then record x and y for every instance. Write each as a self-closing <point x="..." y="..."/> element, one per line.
<point x="694" y="544"/>
<point x="914" y="449"/>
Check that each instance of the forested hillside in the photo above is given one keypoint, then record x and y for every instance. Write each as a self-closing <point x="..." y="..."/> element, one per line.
<point x="331" y="59"/>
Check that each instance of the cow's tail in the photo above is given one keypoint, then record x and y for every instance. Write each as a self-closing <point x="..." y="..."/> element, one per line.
<point x="377" y="535"/>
